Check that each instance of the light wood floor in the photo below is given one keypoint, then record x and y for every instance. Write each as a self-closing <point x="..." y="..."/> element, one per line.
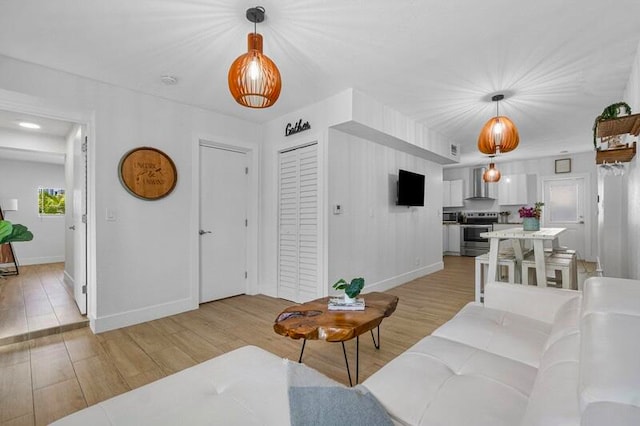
<point x="47" y="378"/>
<point x="36" y="303"/>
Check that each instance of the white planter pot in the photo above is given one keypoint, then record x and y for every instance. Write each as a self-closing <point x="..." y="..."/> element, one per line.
<point x="348" y="299"/>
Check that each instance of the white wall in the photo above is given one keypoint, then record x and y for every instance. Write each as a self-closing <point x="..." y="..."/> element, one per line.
<point x="372" y="237"/>
<point x="143" y="260"/>
<point x="21" y="180"/>
<point x="31" y="142"/>
<point x="340" y="111"/>
<point x="145" y="265"/>
<point x="632" y="248"/>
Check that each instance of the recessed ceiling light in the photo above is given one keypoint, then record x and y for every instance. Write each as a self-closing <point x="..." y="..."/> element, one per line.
<point x="28" y="125"/>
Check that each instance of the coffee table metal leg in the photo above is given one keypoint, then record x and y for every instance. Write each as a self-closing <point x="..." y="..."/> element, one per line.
<point x="304" y="342"/>
<point x="376" y="344"/>
<point x="357" y="358"/>
<point x="346" y="361"/>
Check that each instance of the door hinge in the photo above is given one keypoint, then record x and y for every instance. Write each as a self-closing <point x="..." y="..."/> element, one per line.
<point x="246" y="222"/>
<point x="246" y="274"/>
<point x="84" y="289"/>
<point x="246" y="170"/>
<point x="84" y="218"/>
<point x="84" y="144"/>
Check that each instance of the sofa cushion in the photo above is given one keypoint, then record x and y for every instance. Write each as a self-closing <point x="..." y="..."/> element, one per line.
<point x="610" y="359"/>
<point x="440" y="381"/>
<point x="554" y="398"/>
<point x="610" y="342"/>
<point x="566" y="321"/>
<point x="246" y="386"/>
<point x="611" y="413"/>
<point x="612" y="295"/>
<point x="534" y="302"/>
<point x="502" y="333"/>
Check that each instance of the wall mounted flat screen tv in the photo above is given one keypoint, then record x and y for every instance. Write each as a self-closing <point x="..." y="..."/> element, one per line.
<point x="410" y="188"/>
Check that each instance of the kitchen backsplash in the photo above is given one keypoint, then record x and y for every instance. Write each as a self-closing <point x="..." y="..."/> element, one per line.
<point x="488" y="206"/>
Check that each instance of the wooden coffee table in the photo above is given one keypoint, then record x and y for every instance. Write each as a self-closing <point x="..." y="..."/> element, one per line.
<point x="313" y="321"/>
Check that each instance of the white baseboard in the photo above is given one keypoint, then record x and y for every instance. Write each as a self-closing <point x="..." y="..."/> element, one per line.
<point x="40" y="260"/>
<point x="137" y="316"/>
<point x="392" y="282"/>
<point x="383" y="285"/>
<point x="68" y="281"/>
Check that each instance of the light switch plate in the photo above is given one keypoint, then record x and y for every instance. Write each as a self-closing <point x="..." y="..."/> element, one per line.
<point x="111" y="215"/>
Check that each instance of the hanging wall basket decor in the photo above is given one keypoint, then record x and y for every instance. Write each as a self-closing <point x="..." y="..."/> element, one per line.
<point x="148" y="173"/>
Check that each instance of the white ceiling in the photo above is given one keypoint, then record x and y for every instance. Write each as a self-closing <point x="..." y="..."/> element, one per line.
<point x="559" y="63"/>
<point x="48" y="127"/>
<point x="39" y="145"/>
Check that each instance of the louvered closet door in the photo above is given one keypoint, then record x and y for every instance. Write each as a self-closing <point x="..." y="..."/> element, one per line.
<point x="298" y="225"/>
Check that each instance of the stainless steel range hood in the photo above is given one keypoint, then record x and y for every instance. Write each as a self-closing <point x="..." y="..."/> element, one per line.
<point x="479" y="188"/>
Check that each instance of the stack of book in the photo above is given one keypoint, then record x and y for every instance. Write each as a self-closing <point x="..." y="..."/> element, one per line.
<point x="338" y="304"/>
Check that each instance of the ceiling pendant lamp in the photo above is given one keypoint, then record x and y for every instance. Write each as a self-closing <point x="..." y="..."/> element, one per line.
<point x="254" y="80"/>
<point x="491" y="174"/>
<point x="499" y="134"/>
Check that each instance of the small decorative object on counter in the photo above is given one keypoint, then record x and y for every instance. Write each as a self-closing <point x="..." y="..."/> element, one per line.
<point x="504" y="216"/>
<point x="351" y="290"/>
<point x="531" y="216"/>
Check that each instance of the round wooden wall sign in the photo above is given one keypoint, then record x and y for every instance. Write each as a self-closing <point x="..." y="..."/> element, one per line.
<point x="148" y="173"/>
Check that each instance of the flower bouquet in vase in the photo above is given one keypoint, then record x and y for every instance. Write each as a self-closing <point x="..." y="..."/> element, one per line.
<point x="531" y="216"/>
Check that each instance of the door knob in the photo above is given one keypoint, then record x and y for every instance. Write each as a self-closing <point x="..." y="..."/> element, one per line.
<point x="202" y="232"/>
<point x="72" y="227"/>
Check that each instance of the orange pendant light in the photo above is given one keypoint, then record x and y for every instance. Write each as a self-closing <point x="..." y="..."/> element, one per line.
<point x="492" y="174"/>
<point x="499" y="134"/>
<point x="254" y="80"/>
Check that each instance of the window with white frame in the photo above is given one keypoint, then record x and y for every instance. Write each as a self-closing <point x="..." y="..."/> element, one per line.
<point x="51" y="201"/>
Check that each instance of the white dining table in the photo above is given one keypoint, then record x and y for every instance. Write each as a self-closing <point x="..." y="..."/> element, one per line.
<point x="517" y="236"/>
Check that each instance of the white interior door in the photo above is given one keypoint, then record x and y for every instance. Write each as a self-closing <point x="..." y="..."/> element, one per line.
<point x="223" y="223"/>
<point x="564" y="207"/>
<point x="298" y="252"/>
<point x="79" y="215"/>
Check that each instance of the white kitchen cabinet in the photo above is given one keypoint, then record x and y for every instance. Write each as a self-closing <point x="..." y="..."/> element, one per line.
<point x="451" y="239"/>
<point x="454" y="238"/>
<point x="452" y="193"/>
<point x="445" y="238"/>
<point x="514" y="190"/>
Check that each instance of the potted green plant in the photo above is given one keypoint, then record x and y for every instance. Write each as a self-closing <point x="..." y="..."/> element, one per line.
<point x="351" y="290"/>
<point x="531" y="216"/>
<point x="10" y="233"/>
<point x="612" y="111"/>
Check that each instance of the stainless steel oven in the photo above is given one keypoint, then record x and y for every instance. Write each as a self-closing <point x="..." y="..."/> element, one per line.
<point x="471" y="243"/>
<point x="476" y="223"/>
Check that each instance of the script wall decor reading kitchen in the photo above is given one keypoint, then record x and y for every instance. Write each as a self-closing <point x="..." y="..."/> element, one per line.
<point x="298" y="127"/>
<point x="148" y="173"/>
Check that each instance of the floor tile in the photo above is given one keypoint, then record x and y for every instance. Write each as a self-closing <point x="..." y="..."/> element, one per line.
<point x="13" y="321"/>
<point x="56" y="401"/>
<point x="15" y="391"/>
<point x="99" y="379"/>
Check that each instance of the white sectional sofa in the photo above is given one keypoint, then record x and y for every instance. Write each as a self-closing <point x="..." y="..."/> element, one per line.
<point x="528" y="356"/>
